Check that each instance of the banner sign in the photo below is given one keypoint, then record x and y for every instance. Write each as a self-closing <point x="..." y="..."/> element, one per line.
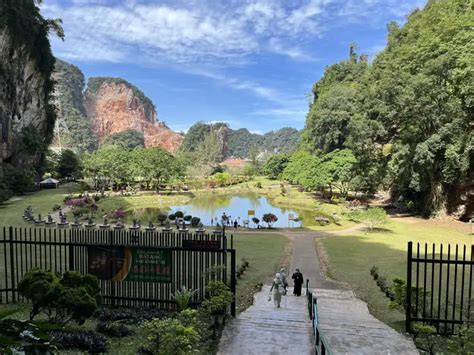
<point x="202" y="244"/>
<point x="251" y="213"/>
<point x="130" y="264"/>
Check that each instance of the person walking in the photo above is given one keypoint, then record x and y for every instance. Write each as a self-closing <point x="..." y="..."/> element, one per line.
<point x="235" y="224"/>
<point x="297" y="282"/>
<point x="283" y="277"/>
<point x="278" y="290"/>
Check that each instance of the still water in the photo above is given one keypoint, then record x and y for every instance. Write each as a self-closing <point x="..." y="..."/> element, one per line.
<point x="210" y="207"/>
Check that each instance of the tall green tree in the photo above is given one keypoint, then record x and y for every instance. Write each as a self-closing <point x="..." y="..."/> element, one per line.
<point x="69" y="165"/>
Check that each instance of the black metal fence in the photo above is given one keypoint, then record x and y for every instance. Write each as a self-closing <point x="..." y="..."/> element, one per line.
<point x="441" y="280"/>
<point x="192" y="260"/>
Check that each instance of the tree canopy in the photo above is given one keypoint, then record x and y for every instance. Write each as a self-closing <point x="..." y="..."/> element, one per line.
<point x="128" y="139"/>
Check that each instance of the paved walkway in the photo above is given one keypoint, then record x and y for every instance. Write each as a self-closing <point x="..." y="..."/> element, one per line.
<point x="347" y="325"/>
<point x="264" y="329"/>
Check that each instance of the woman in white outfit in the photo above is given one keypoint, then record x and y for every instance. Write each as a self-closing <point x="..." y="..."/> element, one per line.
<point x="278" y="288"/>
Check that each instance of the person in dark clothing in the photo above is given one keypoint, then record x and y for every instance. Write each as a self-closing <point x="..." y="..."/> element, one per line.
<point x="236" y="224"/>
<point x="298" y="282"/>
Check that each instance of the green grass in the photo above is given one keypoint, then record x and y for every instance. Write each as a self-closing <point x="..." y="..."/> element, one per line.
<point x="350" y="257"/>
<point x="265" y="254"/>
<point x="11" y="212"/>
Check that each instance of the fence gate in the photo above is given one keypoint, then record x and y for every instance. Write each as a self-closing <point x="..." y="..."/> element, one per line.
<point x="134" y="268"/>
<point x="441" y="279"/>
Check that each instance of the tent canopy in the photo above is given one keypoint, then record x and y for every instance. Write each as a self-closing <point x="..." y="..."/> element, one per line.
<point x="49" y="181"/>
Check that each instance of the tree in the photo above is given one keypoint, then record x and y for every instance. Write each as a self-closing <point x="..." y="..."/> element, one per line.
<point x="269" y="218"/>
<point x="69" y="165"/>
<point x="275" y="166"/>
<point x="128" y="139"/>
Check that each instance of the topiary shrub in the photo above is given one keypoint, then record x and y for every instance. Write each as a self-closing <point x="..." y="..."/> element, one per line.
<point x="195" y="221"/>
<point x="269" y="218"/>
<point x="172" y="217"/>
<point x="188" y="218"/>
<point x="71" y="296"/>
<point x="179" y="214"/>
<point x="162" y="218"/>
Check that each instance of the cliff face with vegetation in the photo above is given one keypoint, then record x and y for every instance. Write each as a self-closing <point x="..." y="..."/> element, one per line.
<point x="73" y="129"/>
<point x="26" y="114"/>
<point x="114" y="105"/>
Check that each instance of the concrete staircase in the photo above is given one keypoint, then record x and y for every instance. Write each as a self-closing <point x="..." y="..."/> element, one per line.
<point x="347" y="327"/>
<point x="264" y="329"/>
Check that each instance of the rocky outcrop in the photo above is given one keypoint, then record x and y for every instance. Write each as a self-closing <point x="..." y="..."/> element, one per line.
<point x="26" y="63"/>
<point x="113" y="106"/>
<point x="73" y="129"/>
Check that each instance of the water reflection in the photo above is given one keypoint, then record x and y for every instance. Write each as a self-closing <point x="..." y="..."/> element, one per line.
<point x="209" y="207"/>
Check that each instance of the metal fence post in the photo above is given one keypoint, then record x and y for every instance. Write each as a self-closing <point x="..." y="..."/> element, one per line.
<point x="233" y="281"/>
<point x="408" y="286"/>
<point x="72" y="238"/>
<point x="12" y="265"/>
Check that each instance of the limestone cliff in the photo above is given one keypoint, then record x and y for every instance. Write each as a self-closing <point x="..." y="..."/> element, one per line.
<point x="73" y="129"/>
<point x="26" y="115"/>
<point x="114" y="105"/>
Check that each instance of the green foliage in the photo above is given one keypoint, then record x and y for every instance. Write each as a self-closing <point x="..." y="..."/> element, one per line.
<point x="128" y="139"/>
<point x="195" y="221"/>
<point x="372" y="217"/>
<point x="94" y="84"/>
<point x="172" y="336"/>
<point x="183" y="297"/>
<point x="275" y="166"/>
<point x="223" y="179"/>
<point x="179" y="214"/>
<point x="255" y="220"/>
<point x="241" y="141"/>
<point x="73" y="127"/>
<point x="197" y="134"/>
<point x="69" y="165"/>
<point x="71" y="296"/>
<point x="153" y="166"/>
<point x="407" y="116"/>
<point x="89" y="341"/>
<point x="17" y="180"/>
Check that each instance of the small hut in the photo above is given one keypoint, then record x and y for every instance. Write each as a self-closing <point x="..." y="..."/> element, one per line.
<point x="49" y="183"/>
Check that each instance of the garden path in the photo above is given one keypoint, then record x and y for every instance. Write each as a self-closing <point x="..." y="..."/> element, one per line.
<point x="348" y="326"/>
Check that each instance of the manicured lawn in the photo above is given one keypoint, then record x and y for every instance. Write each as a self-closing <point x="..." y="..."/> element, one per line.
<point x="265" y="254"/>
<point x="350" y="257"/>
<point x="42" y="202"/>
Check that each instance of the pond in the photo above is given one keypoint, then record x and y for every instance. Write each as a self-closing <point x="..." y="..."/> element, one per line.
<point x="210" y="207"/>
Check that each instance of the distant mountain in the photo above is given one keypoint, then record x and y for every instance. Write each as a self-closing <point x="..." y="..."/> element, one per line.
<point x="238" y="143"/>
<point x="241" y="141"/>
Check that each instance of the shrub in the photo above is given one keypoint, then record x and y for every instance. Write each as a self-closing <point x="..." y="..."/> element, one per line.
<point x="195" y="221"/>
<point x="269" y="218"/>
<point x="183" y="297"/>
<point x="172" y="217"/>
<point x="258" y="185"/>
<point x="114" y="329"/>
<point x="128" y="315"/>
<point x="187" y="218"/>
<point x="179" y="214"/>
<point x="255" y="220"/>
<point x="162" y="218"/>
<point x="171" y="336"/>
<point x="90" y="341"/>
<point x="373" y="217"/>
<point x="70" y="297"/>
<point x="374" y="271"/>
<point x="56" y="207"/>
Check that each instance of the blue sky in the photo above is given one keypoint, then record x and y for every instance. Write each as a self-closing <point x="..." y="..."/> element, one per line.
<point x="249" y="63"/>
